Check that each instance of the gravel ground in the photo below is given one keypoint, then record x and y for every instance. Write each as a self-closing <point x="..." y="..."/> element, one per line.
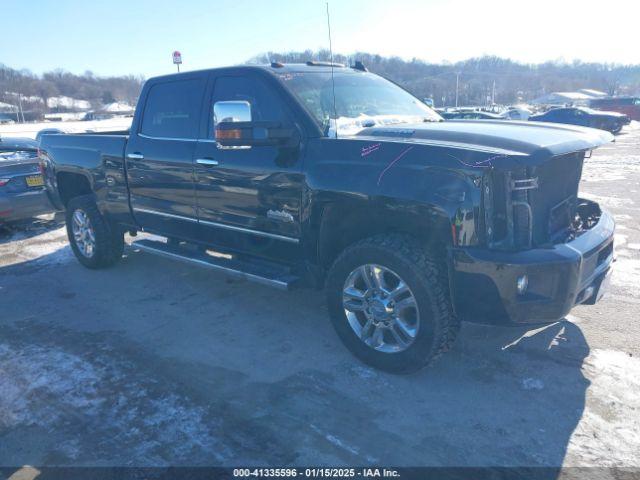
<point x="155" y="363"/>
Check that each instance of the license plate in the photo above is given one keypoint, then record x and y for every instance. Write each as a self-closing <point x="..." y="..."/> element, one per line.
<point x="35" y="181"/>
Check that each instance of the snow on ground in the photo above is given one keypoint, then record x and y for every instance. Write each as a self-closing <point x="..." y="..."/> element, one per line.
<point x="602" y="434"/>
<point x="610" y="201"/>
<point x="68" y="102"/>
<point x="44" y="386"/>
<point x="50" y="247"/>
<point x="618" y="163"/>
<point x="117" y="107"/>
<point x="30" y="130"/>
<point x="42" y="241"/>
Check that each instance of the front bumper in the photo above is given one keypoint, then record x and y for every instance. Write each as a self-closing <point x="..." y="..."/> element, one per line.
<point x="18" y="206"/>
<point x="559" y="277"/>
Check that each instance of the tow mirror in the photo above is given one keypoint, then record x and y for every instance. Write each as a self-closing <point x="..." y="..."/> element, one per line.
<point x="247" y="134"/>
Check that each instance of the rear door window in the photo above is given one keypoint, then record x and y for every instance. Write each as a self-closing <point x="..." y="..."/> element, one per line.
<point x="172" y="109"/>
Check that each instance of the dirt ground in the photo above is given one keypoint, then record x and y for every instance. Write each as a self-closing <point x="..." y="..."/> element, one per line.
<point x="158" y="363"/>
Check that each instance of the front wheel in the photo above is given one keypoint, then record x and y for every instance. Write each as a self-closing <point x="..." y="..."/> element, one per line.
<point x="93" y="240"/>
<point x="616" y="129"/>
<point x="389" y="303"/>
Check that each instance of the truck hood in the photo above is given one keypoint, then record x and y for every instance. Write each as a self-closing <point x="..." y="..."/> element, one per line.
<point x="527" y="143"/>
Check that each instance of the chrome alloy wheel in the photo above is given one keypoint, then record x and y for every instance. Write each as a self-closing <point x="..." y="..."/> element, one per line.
<point x="380" y="308"/>
<point x="83" y="233"/>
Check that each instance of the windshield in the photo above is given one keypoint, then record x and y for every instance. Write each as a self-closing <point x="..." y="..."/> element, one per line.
<point x="361" y="100"/>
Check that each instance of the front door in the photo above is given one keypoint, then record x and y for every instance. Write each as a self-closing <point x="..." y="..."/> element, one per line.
<point x="581" y="118"/>
<point x="159" y="158"/>
<point x="249" y="198"/>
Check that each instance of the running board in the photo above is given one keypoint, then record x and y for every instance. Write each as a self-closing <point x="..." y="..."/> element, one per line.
<point x="259" y="271"/>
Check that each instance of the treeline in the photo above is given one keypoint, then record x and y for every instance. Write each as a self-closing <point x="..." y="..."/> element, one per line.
<point x="483" y="79"/>
<point x="96" y="90"/>
<point x="480" y="80"/>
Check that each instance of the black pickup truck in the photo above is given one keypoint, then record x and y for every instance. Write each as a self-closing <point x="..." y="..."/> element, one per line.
<point x="333" y="177"/>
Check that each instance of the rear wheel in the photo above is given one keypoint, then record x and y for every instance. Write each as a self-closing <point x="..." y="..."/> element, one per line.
<point x="93" y="240"/>
<point x="389" y="303"/>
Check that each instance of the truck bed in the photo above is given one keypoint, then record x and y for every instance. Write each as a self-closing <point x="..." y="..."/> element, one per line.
<point x="97" y="157"/>
<point x="87" y="151"/>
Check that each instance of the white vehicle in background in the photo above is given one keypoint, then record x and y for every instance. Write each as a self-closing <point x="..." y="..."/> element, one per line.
<point x="517" y="112"/>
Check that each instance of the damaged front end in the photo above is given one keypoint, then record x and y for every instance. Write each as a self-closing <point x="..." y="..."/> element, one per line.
<point x="546" y="249"/>
<point x="536" y="206"/>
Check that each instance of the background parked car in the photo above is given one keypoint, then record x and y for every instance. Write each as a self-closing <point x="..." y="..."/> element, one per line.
<point x="630" y="106"/>
<point x="470" y="115"/>
<point x="22" y="190"/>
<point x="516" y="113"/>
<point x="6" y="119"/>
<point x="586" y="117"/>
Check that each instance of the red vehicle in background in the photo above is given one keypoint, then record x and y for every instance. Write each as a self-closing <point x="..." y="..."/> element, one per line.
<point x="627" y="105"/>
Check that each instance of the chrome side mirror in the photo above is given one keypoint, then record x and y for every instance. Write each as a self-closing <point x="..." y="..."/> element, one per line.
<point x="231" y="111"/>
<point x="235" y="129"/>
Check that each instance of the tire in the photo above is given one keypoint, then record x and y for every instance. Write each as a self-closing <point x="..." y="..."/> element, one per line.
<point x="427" y="280"/>
<point x="616" y="129"/>
<point x="108" y="243"/>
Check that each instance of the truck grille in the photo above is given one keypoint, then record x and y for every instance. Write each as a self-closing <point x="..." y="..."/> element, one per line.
<point x="554" y="201"/>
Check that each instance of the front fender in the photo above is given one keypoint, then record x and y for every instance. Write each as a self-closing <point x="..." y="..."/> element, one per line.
<point x="424" y="183"/>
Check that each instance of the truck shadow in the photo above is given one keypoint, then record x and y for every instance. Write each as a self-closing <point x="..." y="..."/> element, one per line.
<point x="516" y="393"/>
<point x="270" y="382"/>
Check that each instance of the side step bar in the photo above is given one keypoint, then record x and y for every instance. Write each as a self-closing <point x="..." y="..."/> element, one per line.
<point x="259" y="271"/>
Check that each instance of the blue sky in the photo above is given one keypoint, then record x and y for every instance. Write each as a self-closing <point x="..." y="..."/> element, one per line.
<point x="138" y="36"/>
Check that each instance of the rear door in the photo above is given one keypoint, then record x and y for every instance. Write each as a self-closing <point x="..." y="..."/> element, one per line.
<point x="159" y="157"/>
<point x="249" y="198"/>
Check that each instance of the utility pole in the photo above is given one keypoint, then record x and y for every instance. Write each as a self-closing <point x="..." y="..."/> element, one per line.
<point x="20" y="106"/>
<point x="493" y="93"/>
<point x="457" y="85"/>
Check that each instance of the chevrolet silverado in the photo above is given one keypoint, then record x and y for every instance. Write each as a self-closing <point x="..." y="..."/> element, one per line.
<point x="330" y="176"/>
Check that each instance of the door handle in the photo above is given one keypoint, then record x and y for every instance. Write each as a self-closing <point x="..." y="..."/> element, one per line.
<point x="209" y="162"/>
<point x="135" y="156"/>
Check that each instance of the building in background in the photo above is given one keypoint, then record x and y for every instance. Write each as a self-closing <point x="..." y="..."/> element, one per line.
<point x="593" y="93"/>
<point x="563" y="98"/>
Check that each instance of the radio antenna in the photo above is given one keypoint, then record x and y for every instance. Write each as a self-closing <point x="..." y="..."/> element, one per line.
<point x="333" y="83"/>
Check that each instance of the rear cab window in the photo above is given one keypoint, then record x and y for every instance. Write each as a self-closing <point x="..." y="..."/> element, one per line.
<point x="172" y="109"/>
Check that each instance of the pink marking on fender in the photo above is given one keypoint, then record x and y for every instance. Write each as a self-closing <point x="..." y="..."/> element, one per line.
<point x="393" y="162"/>
<point x="370" y="149"/>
